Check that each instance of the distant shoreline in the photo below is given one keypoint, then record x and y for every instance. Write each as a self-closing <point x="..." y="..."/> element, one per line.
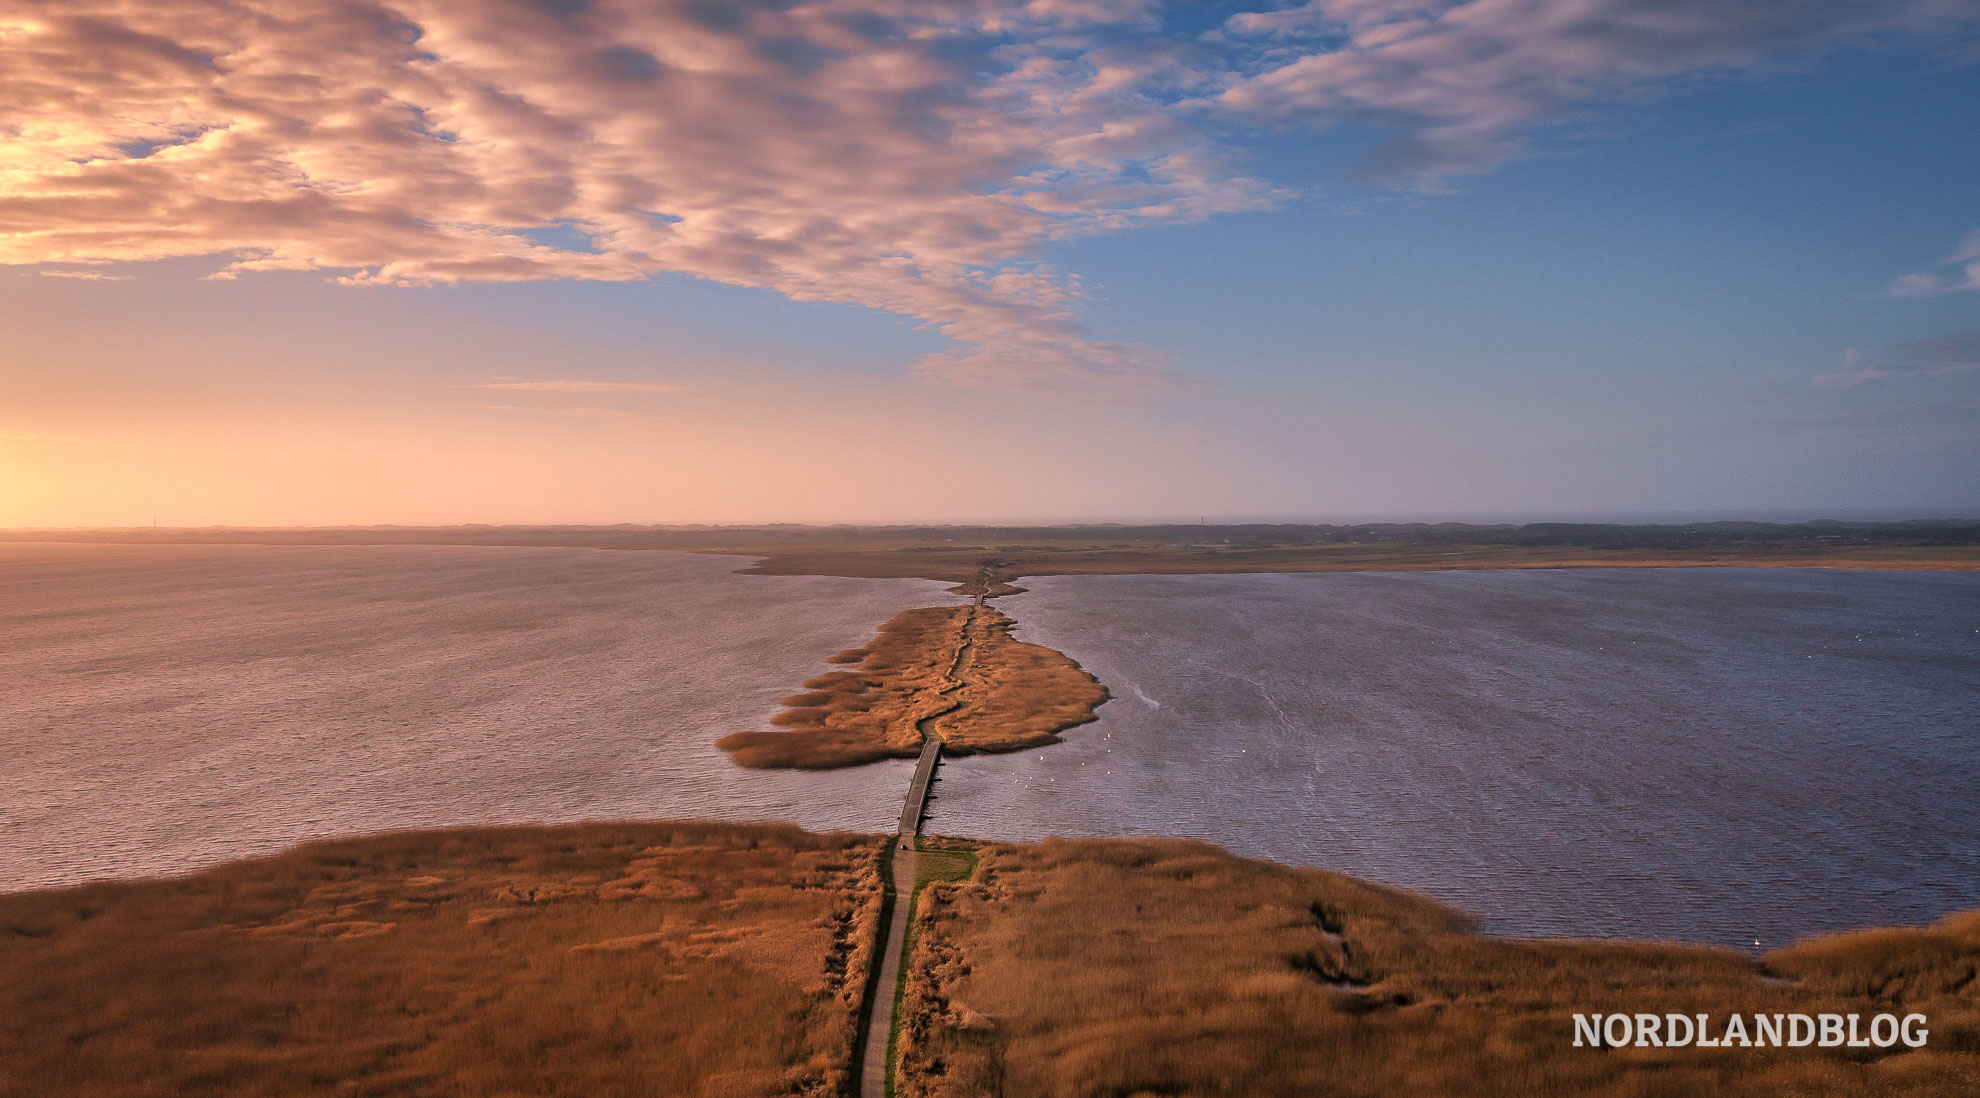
<point x="989" y="559"/>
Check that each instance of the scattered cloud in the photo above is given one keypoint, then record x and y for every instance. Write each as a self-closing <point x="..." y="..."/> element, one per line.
<point x="1950" y="354"/>
<point x="912" y="156"/>
<point x="570" y="386"/>
<point x="87" y="276"/>
<point x="608" y="415"/>
<point x="1459" y="84"/>
<point x="1969" y="248"/>
<point x="1931" y="283"/>
<point x="14" y="438"/>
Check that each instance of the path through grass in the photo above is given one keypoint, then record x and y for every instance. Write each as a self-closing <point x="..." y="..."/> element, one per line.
<point x="938" y="861"/>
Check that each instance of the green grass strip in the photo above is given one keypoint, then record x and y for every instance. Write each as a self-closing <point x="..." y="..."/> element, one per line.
<point x="944" y="863"/>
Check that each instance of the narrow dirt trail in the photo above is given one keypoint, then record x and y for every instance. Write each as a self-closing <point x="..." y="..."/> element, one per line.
<point x="956" y="680"/>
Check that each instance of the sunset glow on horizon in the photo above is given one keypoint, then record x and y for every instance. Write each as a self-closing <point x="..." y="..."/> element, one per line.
<point x="314" y="262"/>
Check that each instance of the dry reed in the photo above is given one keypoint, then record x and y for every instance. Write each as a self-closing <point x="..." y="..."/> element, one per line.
<point x="1163" y="967"/>
<point x="592" y="961"/>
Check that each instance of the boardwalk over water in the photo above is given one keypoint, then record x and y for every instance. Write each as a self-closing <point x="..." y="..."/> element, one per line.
<point x="917" y="794"/>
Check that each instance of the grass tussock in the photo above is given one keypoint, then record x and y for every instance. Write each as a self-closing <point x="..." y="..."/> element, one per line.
<point x="1129" y="967"/>
<point x="592" y="960"/>
<point x="951" y="671"/>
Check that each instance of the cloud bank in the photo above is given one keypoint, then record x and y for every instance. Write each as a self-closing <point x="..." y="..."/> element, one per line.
<point x="903" y="155"/>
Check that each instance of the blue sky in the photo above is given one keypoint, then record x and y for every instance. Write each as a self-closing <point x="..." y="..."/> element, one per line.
<point x="1666" y="292"/>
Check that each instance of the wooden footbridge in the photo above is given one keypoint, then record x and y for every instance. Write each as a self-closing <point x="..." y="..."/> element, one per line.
<point x="917" y="795"/>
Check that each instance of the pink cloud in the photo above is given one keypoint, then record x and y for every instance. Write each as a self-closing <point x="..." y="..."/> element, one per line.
<point x="901" y="155"/>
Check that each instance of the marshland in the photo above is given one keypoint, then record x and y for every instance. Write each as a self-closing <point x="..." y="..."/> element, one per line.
<point x="729" y="959"/>
<point x="1489" y="799"/>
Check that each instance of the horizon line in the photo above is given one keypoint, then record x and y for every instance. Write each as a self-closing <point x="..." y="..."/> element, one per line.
<point x="1644" y="518"/>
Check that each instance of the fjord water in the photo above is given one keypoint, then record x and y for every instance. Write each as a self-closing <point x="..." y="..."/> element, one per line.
<point x="1716" y="755"/>
<point x="164" y="707"/>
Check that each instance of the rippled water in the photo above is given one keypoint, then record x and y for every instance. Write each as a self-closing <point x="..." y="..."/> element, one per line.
<point x="167" y="707"/>
<point x="1715" y="755"/>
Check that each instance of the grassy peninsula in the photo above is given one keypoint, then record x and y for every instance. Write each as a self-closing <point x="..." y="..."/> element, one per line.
<point x="951" y="672"/>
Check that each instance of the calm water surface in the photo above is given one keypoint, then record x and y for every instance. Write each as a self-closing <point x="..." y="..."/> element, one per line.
<point x="1717" y="755"/>
<point x="166" y="707"/>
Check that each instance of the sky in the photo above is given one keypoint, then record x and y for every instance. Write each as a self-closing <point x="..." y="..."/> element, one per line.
<point x="325" y="262"/>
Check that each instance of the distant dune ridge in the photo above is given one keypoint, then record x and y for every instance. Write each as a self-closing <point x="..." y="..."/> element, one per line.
<point x="953" y="672"/>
